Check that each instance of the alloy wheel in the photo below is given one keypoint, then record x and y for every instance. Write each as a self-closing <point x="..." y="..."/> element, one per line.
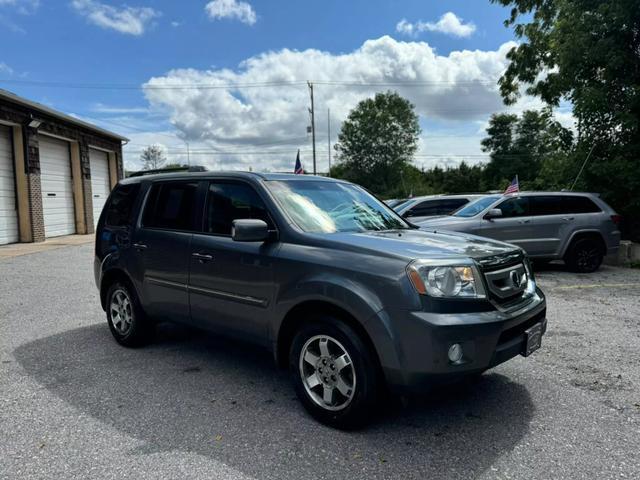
<point x="327" y="372"/>
<point x="121" y="312"/>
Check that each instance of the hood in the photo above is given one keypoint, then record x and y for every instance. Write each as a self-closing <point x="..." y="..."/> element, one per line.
<point x="412" y="244"/>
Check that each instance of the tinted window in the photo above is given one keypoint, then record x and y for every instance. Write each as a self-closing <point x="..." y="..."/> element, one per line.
<point x="515" y="207"/>
<point x="120" y="209"/>
<point x="577" y="204"/>
<point x="425" y="209"/>
<point x="546" y="205"/>
<point x="451" y="205"/>
<point x="171" y="206"/>
<point x="227" y="202"/>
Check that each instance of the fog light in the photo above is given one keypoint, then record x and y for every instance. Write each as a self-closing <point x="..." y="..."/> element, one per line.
<point x="455" y="353"/>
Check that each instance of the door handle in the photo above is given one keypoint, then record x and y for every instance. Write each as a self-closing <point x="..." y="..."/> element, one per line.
<point x="524" y="221"/>
<point x="202" y="257"/>
<point x="140" y="246"/>
<point x="567" y="219"/>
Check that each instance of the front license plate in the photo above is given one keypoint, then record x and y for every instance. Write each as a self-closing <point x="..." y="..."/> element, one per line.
<point x="533" y="336"/>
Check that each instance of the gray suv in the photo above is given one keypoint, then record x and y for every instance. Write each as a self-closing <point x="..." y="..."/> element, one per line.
<point x="579" y="228"/>
<point x="347" y="295"/>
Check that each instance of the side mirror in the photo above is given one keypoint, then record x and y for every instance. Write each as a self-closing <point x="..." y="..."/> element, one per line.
<point x="249" y="230"/>
<point x="493" y="213"/>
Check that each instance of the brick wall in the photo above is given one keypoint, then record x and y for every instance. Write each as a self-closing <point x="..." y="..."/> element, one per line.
<point x="20" y="114"/>
<point x="35" y="207"/>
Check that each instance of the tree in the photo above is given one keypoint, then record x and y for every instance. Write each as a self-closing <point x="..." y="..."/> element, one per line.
<point x="377" y="142"/>
<point x="585" y="52"/>
<point x="152" y="157"/>
<point x="521" y="146"/>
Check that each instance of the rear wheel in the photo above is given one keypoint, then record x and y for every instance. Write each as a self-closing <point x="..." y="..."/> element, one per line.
<point x="584" y="256"/>
<point x="127" y="322"/>
<point x="334" y="373"/>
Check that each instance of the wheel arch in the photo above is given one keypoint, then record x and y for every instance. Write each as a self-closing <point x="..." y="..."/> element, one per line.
<point x="297" y="315"/>
<point x="109" y="278"/>
<point x="582" y="234"/>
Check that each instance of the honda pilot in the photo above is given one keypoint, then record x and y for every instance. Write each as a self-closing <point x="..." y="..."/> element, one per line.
<point x="350" y="297"/>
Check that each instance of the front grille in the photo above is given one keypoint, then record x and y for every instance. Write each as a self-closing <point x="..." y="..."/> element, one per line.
<point x="501" y="273"/>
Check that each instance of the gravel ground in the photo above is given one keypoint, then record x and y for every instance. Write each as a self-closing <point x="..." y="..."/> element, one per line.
<point x="73" y="404"/>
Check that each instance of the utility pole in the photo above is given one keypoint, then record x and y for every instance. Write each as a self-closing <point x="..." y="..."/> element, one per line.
<point x="329" y="137"/>
<point x="313" y="126"/>
<point x="188" y="154"/>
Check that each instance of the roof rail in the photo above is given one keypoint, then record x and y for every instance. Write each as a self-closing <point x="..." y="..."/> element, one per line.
<point x="142" y="173"/>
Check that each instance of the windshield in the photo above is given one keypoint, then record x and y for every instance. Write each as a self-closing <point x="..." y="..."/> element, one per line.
<point x="328" y="207"/>
<point x="473" y="208"/>
<point x="396" y="202"/>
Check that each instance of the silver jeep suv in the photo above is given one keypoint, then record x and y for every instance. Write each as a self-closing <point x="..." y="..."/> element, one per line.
<point x="579" y="228"/>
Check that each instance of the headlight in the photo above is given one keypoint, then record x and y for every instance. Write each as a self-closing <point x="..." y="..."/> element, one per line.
<point x="446" y="279"/>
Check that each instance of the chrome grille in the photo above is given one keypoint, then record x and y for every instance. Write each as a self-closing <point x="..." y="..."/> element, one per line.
<point x="507" y="283"/>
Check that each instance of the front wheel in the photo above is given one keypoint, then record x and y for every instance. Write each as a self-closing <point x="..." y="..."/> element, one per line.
<point x="584" y="256"/>
<point x="334" y="373"/>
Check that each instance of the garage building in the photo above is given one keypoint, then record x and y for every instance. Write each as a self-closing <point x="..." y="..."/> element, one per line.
<point x="56" y="171"/>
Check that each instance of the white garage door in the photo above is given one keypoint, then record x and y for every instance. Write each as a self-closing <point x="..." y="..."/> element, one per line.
<point x="57" y="187"/>
<point x="100" y="186"/>
<point x="8" y="212"/>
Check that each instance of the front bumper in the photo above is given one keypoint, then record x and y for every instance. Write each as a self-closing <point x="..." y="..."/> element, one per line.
<point x="421" y="340"/>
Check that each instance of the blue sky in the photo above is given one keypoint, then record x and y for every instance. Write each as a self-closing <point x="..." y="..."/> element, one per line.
<point x="149" y="59"/>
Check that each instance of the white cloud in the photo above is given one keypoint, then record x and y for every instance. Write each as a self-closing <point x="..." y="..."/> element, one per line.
<point x="6" y="69"/>
<point x="449" y="24"/>
<point x="231" y="9"/>
<point x="127" y="20"/>
<point x="454" y="89"/>
<point x="25" y="7"/>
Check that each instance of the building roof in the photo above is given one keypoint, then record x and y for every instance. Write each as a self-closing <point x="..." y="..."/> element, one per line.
<point x="38" y="107"/>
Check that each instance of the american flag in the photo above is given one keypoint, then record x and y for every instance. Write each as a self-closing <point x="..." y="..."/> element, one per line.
<point x="298" y="170"/>
<point x="514" y="186"/>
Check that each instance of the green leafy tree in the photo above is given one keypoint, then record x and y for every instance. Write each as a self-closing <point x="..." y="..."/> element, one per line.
<point x="377" y="142"/>
<point x="588" y="53"/>
<point x="521" y="146"/>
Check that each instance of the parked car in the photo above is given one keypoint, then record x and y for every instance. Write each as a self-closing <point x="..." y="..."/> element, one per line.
<point x="394" y="202"/>
<point x="344" y="292"/>
<point x="579" y="228"/>
<point x="421" y="208"/>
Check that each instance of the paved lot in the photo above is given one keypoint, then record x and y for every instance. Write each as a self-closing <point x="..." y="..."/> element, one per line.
<point x="73" y="404"/>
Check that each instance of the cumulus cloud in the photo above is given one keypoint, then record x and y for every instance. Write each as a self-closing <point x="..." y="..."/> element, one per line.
<point x="264" y="101"/>
<point x="231" y="9"/>
<point x="449" y="24"/>
<point x="127" y="20"/>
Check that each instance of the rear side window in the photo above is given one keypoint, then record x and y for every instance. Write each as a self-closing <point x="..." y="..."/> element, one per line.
<point x="576" y="204"/>
<point x="227" y="202"/>
<point x="120" y="209"/>
<point x="171" y="206"/>
<point x="547" y="205"/>
<point x="515" y="207"/>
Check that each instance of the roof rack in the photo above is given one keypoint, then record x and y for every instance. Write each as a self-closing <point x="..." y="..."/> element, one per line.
<point x="142" y="173"/>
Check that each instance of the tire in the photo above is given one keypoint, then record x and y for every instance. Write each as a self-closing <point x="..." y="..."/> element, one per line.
<point x="584" y="256"/>
<point x="127" y="321"/>
<point x="327" y="354"/>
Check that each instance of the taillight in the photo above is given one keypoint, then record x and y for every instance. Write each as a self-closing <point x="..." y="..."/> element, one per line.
<point x="616" y="219"/>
